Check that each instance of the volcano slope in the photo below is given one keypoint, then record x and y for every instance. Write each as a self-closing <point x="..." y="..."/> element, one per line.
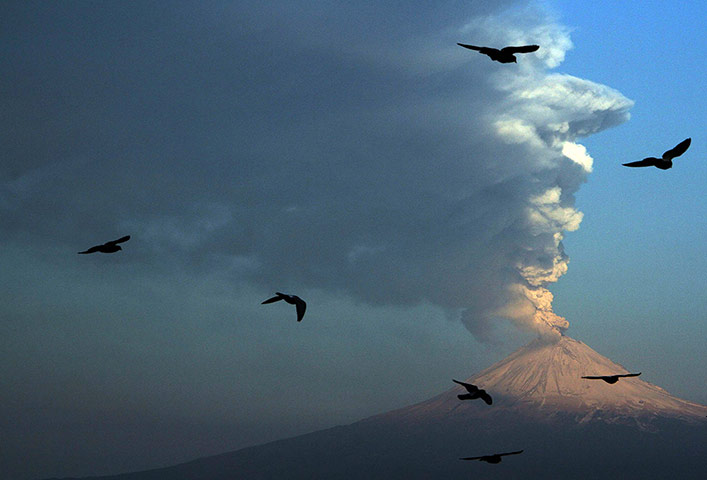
<point x="568" y="427"/>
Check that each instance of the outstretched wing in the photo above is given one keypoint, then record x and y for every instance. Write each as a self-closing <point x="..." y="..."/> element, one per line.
<point x="646" y="162"/>
<point x="629" y="374"/>
<point x="470" y="458"/>
<point x="97" y="248"/>
<point x="484" y="50"/>
<point x="276" y="298"/>
<point x="301" y="306"/>
<point x="469" y="387"/>
<point x="595" y="377"/>
<point x="678" y="150"/>
<point x="523" y="49"/>
<point x="510" y="453"/>
<point x="120" y="240"/>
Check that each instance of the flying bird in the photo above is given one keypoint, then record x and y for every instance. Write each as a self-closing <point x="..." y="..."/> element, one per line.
<point x="474" y="393"/>
<point x="300" y="304"/>
<point x="504" y="55"/>
<point x="108" y="247"/>
<point x="495" y="458"/>
<point x="666" y="161"/>
<point x="612" y="379"/>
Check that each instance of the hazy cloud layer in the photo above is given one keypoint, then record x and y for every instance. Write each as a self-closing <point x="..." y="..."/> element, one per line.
<point x="389" y="164"/>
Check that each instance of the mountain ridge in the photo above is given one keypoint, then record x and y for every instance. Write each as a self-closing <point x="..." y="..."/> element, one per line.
<point x="541" y="380"/>
<point x="568" y="427"/>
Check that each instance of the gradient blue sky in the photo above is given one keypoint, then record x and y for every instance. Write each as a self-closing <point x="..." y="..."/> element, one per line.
<point x="224" y="136"/>
<point x="636" y="282"/>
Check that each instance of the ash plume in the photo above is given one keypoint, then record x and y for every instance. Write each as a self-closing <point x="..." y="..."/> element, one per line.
<point x="392" y="172"/>
<point x="541" y="118"/>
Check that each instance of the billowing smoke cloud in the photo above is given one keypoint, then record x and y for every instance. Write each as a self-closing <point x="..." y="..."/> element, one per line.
<point x="460" y="197"/>
<point x="544" y="114"/>
<point x="388" y="165"/>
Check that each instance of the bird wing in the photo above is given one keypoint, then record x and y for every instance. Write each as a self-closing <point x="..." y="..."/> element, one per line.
<point x="470" y="47"/>
<point x="486" y="397"/>
<point x="120" y="240"/>
<point x="469" y="387"/>
<point x="470" y="458"/>
<point x="276" y="298"/>
<point x="646" y="162"/>
<point x="97" y="248"/>
<point x="510" y="453"/>
<point x="629" y="374"/>
<point x="484" y="50"/>
<point x="678" y="150"/>
<point x="595" y="377"/>
<point x="523" y="49"/>
<point x="301" y="306"/>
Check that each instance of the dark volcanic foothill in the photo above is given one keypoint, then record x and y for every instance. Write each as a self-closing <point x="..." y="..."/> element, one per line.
<point x="564" y="423"/>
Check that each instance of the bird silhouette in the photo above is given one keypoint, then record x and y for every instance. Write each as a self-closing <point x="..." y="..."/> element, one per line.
<point x="108" y="247"/>
<point x="495" y="458"/>
<point x="300" y="304"/>
<point x="504" y="55"/>
<point x="474" y="393"/>
<point x="666" y="161"/>
<point x="611" y="379"/>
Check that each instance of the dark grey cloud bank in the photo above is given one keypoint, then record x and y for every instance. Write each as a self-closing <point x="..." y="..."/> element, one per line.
<point x="352" y="150"/>
<point x="364" y="156"/>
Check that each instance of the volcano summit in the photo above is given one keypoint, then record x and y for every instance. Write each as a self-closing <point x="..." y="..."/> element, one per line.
<point x="543" y="381"/>
<point x="568" y="427"/>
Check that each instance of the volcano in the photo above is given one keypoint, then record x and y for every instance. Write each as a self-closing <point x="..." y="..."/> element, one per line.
<point x="568" y="427"/>
<point x="543" y="381"/>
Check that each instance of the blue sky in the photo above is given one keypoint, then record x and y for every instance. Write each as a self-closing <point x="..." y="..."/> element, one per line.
<point x="651" y="309"/>
<point x="355" y="156"/>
